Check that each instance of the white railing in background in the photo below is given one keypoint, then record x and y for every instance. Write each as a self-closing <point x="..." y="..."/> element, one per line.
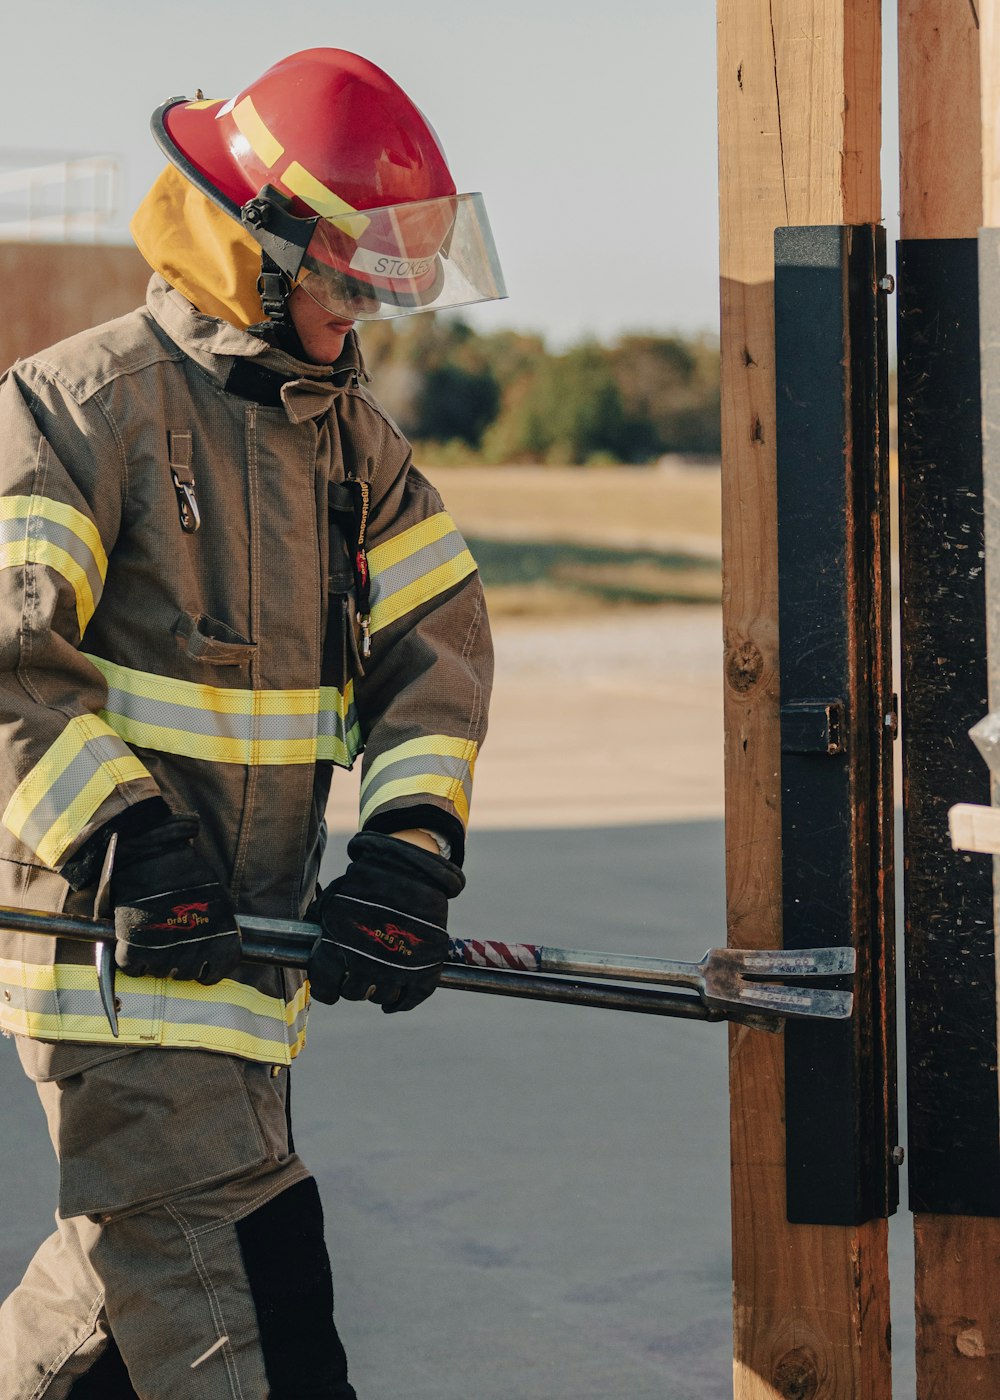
<point x="69" y="199"/>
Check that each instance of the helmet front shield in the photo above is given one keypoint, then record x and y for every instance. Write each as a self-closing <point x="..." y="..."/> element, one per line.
<point x="373" y="264"/>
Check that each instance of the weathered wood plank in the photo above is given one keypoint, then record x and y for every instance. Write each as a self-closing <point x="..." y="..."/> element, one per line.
<point x="957" y="1306"/>
<point x="988" y="13"/>
<point x="939" y="118"/>
<point x="943" y="176"/>
<point x="798" y="122"/>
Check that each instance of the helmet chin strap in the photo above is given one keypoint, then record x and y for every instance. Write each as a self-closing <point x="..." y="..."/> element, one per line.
<point x="277" y="328"/>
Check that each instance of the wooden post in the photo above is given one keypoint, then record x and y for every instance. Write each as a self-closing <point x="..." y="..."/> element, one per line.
<point x="799" y="138"/>
<point x="989" y="102"/>
<point x="942" y="183"/>
<point x="939" y="119"/>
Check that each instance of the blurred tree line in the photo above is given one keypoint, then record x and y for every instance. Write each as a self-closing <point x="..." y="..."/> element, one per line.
<point x="504" y="397"/>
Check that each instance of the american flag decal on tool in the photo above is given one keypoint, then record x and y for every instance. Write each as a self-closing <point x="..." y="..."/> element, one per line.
<point x="523" y="957"/>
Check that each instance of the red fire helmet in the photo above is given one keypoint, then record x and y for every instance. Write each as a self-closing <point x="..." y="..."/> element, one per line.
<point x="342" y="181"/>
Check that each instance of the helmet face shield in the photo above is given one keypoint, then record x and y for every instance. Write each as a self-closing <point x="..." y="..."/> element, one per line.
<point x="373" y="264"/>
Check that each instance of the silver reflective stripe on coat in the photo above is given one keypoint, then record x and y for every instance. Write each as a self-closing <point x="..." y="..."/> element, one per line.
<point x="227" y="725"/>
<point x="37" y="530"/>
<point x="435" y="763"/>
<point x="57" y="798"/>
<point x="415" y="566"/>
<point x="62" y="1001"/>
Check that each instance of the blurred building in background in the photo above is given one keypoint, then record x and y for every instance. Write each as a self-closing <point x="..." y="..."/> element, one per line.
<point x="56" y="276"/>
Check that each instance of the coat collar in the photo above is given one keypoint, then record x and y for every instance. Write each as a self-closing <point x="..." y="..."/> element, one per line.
<point x="305" y="390"/>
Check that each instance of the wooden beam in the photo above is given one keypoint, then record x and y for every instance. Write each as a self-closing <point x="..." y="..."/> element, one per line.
<point x="957" y="1263"/>
<point x="939" y="119"/>
<point x="942" y="183"/>
<point x="989" y="67"/>
<point x="799" y="121"/>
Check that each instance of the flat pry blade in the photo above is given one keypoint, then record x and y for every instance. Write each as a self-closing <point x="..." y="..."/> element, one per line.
<point x="797" y="962"/>
<point x="746" y="977"/>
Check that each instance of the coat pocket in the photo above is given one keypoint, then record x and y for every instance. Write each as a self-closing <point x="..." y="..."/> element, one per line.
<point x="205" y="638"/>
<point x="148" y="1125"/>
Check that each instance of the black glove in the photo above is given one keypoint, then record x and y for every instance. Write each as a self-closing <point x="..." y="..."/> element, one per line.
<point x="383" y="924"/>
<point x="172" y="916"/>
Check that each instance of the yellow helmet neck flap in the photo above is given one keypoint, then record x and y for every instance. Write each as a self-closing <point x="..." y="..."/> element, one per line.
<point x="200" y="250"/>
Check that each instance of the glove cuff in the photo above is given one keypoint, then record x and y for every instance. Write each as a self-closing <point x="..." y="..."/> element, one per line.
<point x="84" y="865"/>
<point x="393" y="819"/>
<point x="172" y="835"/>
<point x="393" y="857"/>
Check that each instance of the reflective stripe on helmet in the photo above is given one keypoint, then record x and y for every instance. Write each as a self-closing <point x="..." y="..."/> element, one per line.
<point x="263" y="144"/>
<point x="37" y="530"/>
<point x="61" y="1001"/>
<point x="416" y="565"/>
<point x="438" y="765"/>
<point x="251" y="727"/>
<point x="324" y="200"/>
<point x="62" y="792"/>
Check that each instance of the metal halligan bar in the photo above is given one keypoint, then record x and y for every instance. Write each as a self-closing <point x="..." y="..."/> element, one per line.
<point x="290" y="942"/>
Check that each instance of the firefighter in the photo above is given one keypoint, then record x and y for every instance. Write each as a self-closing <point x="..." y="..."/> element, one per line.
<point x="221" y="577"/>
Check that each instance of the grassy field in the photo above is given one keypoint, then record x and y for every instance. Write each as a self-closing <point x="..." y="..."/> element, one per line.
<point x="567" y="540"/>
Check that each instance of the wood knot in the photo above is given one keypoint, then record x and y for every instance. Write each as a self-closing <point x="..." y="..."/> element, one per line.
<point x="795" y="1376"/>
<point x="744" y="667"/>
<point x="970" y="1342"/>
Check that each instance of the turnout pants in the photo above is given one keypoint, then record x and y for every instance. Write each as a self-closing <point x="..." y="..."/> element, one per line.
<point x="188" y="1262"/>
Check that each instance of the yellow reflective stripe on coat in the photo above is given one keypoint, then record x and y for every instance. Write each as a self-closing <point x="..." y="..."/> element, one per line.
<point x="438" y="765"/>
<point x="62" y="792"/>
<point x="415" y="566"/>
<point x="36" y="530"/>
<point x="217" y="725"/>
<point x="61" y="1001"/>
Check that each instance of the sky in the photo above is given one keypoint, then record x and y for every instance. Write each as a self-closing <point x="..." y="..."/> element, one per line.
<point x="581" y="121"/>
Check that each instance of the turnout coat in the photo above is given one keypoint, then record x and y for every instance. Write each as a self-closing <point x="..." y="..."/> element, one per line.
<point x="324" y="607"/>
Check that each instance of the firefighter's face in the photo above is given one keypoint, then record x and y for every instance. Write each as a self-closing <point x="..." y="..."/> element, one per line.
<point x="322" y="334"/>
